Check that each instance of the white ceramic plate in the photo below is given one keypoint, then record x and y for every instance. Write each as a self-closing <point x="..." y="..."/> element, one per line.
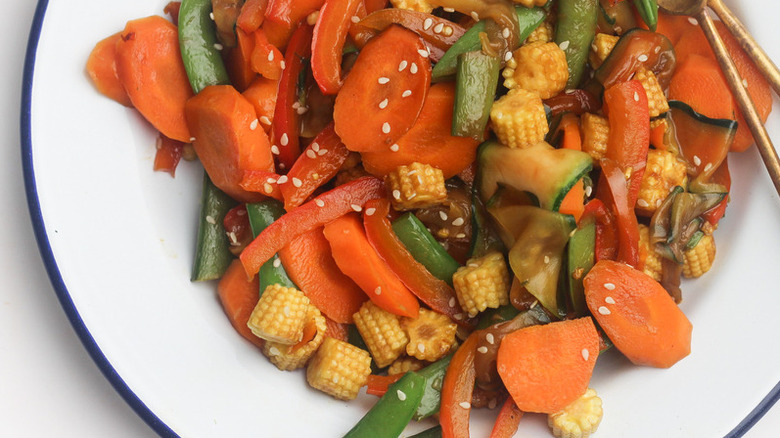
<point x="118" y="241"/>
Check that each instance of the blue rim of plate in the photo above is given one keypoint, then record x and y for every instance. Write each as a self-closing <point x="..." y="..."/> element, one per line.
<point x="70" y="309"/>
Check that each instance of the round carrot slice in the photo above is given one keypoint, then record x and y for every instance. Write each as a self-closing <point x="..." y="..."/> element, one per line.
<point x="384" y="92"/>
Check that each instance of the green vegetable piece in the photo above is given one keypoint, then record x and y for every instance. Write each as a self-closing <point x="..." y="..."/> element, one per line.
<point x="390" y="415"/>
<point x="574" y="34"/>
<point x="198" y="45"/>
<point x="434" y="432"/>
<point x="212" y="253"/>
<point x="434" y="378"/>
<point x="261" y="215"/>
<point x="581" y="257"/>
<point x="528" y="19"/>
<point x="648" y="10"/>
<point x="475" y="90"/>
<point x="424" y="248"/>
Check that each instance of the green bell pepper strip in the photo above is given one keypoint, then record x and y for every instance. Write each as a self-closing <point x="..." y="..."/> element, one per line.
<point x="261" y="215"/>
<point x="212" y="253"/>
<point x="581" y="257"/>
<point x="648" y="10"/>
<point x="198" y="45"/>
<point x="574" y="34"/>
<point x="434" y="432"/>
<point x="528" y="19"/>
<point x="390" y="415"/>
<point x="475" y="89"/>
<point x="424" y="248"/>
<point x="431" y="398"/>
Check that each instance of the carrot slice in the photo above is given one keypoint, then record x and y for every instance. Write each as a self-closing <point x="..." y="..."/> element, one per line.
<point x="637" y="314"/>
<point x="546" y="367"/>
<point x="261" y="181"/>
<point x="266" y="59"/>
<point x="384" y="92"/>
<point x="699" y="82"/>
<point x="310" y="265"/>
<point x="429" y="141"/>
<point x="674" y="26"/>
<point x="101" y="68"/>
<point x="251" y="16"/>
<point x="221" y="121"/>
<point x="356" y="257"/>
<point x="149" y="65"/>
<point x="239" y="61"/>
<point x="574" y="201"/>
<point x="261" y="93"/>
<point x="239" y="297"/>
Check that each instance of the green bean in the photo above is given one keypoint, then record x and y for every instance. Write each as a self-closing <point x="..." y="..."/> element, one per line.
<point x="199" y="47"/>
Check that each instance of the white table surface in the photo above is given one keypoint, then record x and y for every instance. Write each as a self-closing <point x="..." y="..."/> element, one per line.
<point x="49" y="385"/>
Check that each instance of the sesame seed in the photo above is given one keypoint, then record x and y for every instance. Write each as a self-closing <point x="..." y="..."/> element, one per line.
<point x="282" y="64"/>
<point x="370" y="211"/>
<point x="378" y="290"/>
<point x="482" y="349"/>
<point x="356" y="207"/>
<point x="397" y="194"/>
<point x="406" y="93"/>
<point x="383" y="104"/>
<point x="708" y="167"/>
<point x="355" y="19"/>
<point x="421" y="347"/>
<point x="218" y="46"/>
<point x="271" y="55"/>
<point x="447" y="30"/>
<point x="505" y="32"/>
<point x="465" y="405"/>
<point x="273" y="351"/>
<point x="458" y="316"/>
<point x="452" y="302"/>
<point x="253" y="125"/>
<point x="315" y="146"/>
<point x="267" y="187"/>
<point x="286" y="309"/>
<point x="443" y="215"/>
<point x="657" y="49"/>
<point x="322" y="152"/>
<point x="450" y="10"/>
<point x="297" y="182"/>
<point x="642" y="58"/>
<point x="744" y="83"/>
<point x="383" y="80"/>
<point x="319" y="202"/>
<point x="296" y="105"/>
<point x="211" y="220"/>
<point x="386" y="128"/>
<point x="490" y="338"/>
<point x="282" y="179"/>
<point x="693" y="21"/>
<point x="475" y="15"/>
<point x="508" y="56"/>
<point x="696" y="160"/>
<point x="604" y="311"/>
<point x="211" y="15"/>
<point x="302" y="110"/>
<point x="546" y="259"/>
<point x="438" y="28"/>
<point x="609" y="286"/>
<point x="275" y="149"/>
<point x="427" y="23"/>
<point x="311" y="154"/>
<point x="564" y="45"/>
<point x="402" y="66"/>
<point x="192" y="139"/>
<point x="284" y="140"/>
<point x="394" y="147"/>
<point x="460" y="235"/>
<point x="401" y="395"/>
<point x="585" y="354"/>
<point x="636" y="96"/>
<point x="265" y="120"/>
<point x="642" y="203"/>
<point x="413" y="68"/>
<point x="277" y="262"/>
<point x="424" y="53"/>
<point x="458" y="222"/>
<point x="588" y="190"/>
<point x="609" y="300"/>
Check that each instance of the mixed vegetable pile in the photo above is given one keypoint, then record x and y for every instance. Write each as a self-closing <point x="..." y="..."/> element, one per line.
<point x="457" y="204"/>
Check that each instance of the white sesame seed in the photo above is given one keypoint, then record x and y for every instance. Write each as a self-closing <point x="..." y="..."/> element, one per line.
<point x="282" y="179"/>
<point x="296" y="105"/>
<point x="421" y="347"/>
<point x="319" y="202"/>
<point x="465" y="405"/>
<point x="447" y="31"/>
<point x="609" y="286"/>
<point x="322" y="152"/>
<point x="356" y="207"/>
<point x="275" y="149"/>
<point x="604" y="311"/>
<point x="693" y="21"/>
<point x="383" y="80"/>
<point x="636" y="96"/>
<point x="297" y="182"/>
<point x="708" y="167"/>
<point x="271" y="55"/>
<point x="253" y="125"/>
<point x="211" y="220"/>
<point x="438" y="28"/>
<point x="458" y="222"/>
<point x="277" y="262"/>
<point x="588" y="190"/>
<point x="564" y="45"/>
<point x="284" y="140"/>
<point x="744" y="83"/>
<point x="311" y="154"/>
<point x="386" y="128"/>
<point x="460" y="235"/>
<point x="273" y="351"/>
<point x="482" y="349"/>
<point x="265" y="120"/>
<point x="218" y="46"/>
<point x="286" y="310"/>
<point x="355" y="19"/>
<point x="458" y="316"/>
<point x="302" y="110"/>
<point x="642" y="203"/>
<point x="413" y="195"/>
<point x="657" y="49"/>
<point x="282" y="64"/>
<point x="585" y="354"/>
<point x="642" y="58"/>
<point x="443" y="215"/>
<point x="406" y="93"/>
<point x="383" y="104"/>
<point x="401" y="395"/>
<point x="490" y="338"/>
<point x="424" y="53"/>
<point x="546" y="260"/>
<point x="609" y="300"/>
<point x="475" y="15"/>
<point x="267" y="187"/>
<point x="402" y="66"/>
<point x="378" y="290"/>
<point x="450" y="10"/>
<point x="427" y="23"/>
<point x="397" y="194"/>
<point x="505" y="32"/>
<point x="192" y="139"/>
<point x="413" y="68"/>
<point x="451" y="303"/>
<point x="370" y="211"/>
<point x="508" y="56"/>
<point x="315" y="146"/>
<point x="211" y="15"/>
<point x="696" y="160"/>
<point x="394" y="147"/>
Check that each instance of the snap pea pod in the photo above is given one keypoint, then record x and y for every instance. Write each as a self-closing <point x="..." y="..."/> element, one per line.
<point x="198" y="45"/>
<point x="261" y="215"/>
<point x="424" y="248"/>
<point x="648" y="10"/>
<point x="212" y="253"/>
<point x="475" y="90"/>
<point x="392" y="412"/>
<point x="574" y="34"/>
<point x="528" y="19"/>
<point x="434" y="432"/>
<point x="434" y="378"/>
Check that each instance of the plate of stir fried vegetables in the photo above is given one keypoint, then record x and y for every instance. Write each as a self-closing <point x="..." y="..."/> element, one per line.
<point x="426" y="218"/>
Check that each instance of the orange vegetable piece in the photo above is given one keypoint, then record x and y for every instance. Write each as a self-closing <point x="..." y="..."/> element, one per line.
<point x="336" y="330"/>
<point x="637" y="314"/>
<point x="673" y="26"/>
<point x="239" y="61"/>
<point x="310" y="265"/>
<point x="266" y="59"/>
<point x="546" y="367"/>
<point x="574" y="201"/>
<point x="508" y="420"/>
<point x="239" y="296"/>
<point x="221" y="121"/>
<point x="429" y="141"/>
<point x="251" y="16"/>
<point x="261" y="93"/>
<point x="101" y="68"/>
<point x="149" y="65"/>
<point x="699" y="82"/>
<point x="356" y="257"/>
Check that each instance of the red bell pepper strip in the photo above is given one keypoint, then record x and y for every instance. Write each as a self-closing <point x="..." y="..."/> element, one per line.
<point x="168" y="155"/>
<point x="629" y="131"/>
<point x="237" y="227"/>
<point x="283" y="16"/>
<point x="457" y="390"/>
<point x="252" y="14"/>
<point x="330" y="33"/>
<point x="507" y="421"/>
<point x="285" y="123"/>
<point x="606" y="234"/>
<point x="437" y="294"/>
<point x="259" y="181"/>
<point x="315" y="213"/>
<point x="374" y="5"/>
<point x="616" y="193"/>
<point x="720" y="176"/>
<point x="377" y="385"/>
<point x="317" y="165"/>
